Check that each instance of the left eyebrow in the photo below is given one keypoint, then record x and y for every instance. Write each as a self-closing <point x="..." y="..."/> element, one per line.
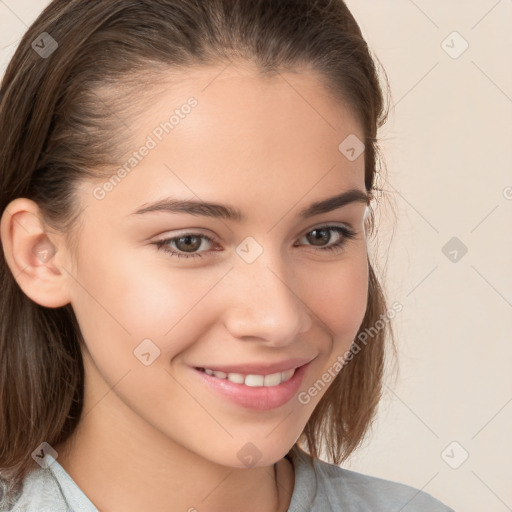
<point x="217" y="210"/>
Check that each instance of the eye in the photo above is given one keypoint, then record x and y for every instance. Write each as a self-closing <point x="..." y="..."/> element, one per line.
<point x="321" y="234"/>
<point x="186" y="244"/>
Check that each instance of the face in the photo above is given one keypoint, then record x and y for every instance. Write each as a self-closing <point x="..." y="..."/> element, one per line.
<point x="161" y="293"/>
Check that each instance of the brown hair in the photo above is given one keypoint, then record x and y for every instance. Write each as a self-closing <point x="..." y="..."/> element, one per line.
<point x="59" y="124"/>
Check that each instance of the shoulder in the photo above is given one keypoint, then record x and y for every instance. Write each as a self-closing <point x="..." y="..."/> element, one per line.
<point x="39" y="493"/>
<point x="48" y="489"/>
<point x="325" y="486"/>
<point x="375" y="492"/>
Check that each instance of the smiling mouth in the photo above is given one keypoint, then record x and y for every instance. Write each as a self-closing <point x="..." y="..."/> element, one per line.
<point x="252" y="380"/>
<point x="273" y="387"/>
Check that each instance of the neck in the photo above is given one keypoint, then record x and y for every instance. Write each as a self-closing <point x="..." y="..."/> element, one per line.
<point x="153" y="473"/>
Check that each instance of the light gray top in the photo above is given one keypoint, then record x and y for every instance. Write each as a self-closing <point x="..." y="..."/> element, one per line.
<point x="320" y="487"/>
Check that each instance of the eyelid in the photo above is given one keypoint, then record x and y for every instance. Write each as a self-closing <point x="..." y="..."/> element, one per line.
<point x="333" y="223"/>
<point x="186" y="232"/>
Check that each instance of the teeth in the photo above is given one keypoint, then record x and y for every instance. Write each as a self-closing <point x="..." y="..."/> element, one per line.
<point x="254" y="381"/>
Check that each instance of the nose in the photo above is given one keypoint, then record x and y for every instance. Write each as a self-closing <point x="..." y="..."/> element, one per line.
<point x="265" y="304"/>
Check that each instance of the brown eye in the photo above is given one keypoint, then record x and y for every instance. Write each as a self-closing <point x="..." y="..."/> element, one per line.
<point x="187" y="243"/>
<point x="320" y="236"/>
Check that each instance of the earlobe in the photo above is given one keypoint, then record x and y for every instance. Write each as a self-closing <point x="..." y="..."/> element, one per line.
<point x="33" y="254"/>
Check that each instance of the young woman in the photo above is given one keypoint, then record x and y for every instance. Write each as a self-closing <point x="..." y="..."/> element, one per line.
<point x="185" y="200"/>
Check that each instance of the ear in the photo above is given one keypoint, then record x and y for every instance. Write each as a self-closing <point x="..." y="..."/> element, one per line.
<point x="36" y="257"/>
<point x="365" y="218"/>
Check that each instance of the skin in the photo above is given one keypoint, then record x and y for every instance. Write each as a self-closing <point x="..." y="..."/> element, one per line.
<point x="154" y="437"/>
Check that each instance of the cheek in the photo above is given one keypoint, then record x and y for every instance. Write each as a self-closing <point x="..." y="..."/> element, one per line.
<point x="127" y="309"/>
<point x="120" y="301"/>
<point x="339" y="297"/>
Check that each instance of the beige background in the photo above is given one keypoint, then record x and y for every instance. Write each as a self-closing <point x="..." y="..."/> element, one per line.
<point x="448" y="147"/>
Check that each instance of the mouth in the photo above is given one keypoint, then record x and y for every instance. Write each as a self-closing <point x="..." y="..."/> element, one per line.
<point x="252" y="380"/>
<point x="256" y="391"/>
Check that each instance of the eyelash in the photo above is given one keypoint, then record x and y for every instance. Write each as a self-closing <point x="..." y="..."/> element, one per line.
<point x="347" y="234"/>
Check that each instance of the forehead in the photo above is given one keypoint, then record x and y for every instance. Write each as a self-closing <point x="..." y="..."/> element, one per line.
<point x="236" y="100"/>
<point x="249" y="137"/>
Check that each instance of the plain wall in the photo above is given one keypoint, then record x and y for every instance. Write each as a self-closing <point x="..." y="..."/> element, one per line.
<point x="448" y="148"/>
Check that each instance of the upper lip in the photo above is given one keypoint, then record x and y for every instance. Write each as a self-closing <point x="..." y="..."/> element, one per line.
<point x="258" y="368"/>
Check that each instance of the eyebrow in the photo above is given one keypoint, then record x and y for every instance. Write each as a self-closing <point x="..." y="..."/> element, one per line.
<point x="223" y="211"/>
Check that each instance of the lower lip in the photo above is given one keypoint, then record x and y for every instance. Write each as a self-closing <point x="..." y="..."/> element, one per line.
<point x="261" y="398"/>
